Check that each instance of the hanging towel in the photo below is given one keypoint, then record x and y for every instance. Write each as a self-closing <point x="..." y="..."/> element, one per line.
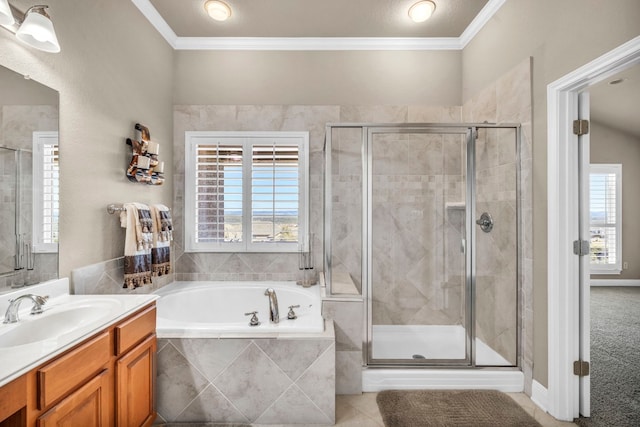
<point x="162" y="237"/>
<point x="136" y="219"/>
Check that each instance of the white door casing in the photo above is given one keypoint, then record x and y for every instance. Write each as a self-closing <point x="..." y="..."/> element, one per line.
<point x="563" y="280"/>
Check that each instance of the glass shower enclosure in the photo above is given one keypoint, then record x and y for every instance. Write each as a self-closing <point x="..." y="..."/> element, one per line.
<point x="423" y="220"/>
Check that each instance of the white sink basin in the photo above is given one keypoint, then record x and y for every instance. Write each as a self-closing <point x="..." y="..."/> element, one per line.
<point x="54" y="322"/>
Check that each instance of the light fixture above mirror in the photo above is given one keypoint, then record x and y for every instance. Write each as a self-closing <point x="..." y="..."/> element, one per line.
<point x="34" y="27"/>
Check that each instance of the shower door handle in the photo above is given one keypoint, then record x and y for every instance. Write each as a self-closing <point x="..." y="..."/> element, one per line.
<point x="485" y="222"/>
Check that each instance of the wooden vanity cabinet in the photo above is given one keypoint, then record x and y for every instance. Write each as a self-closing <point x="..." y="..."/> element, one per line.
<point x="107" y="380"/>
<point x="136" y="369"/>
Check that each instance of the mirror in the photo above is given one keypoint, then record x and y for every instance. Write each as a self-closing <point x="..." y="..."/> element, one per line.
<point x="28" y="181"/>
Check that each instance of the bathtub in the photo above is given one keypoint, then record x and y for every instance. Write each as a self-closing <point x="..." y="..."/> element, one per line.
<point x="217" y="309"/>
<point x="212" y="367"/>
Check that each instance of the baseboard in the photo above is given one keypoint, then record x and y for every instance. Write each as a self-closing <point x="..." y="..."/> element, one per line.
<point x="615" y="282"/>
<point x="539" y="395"/>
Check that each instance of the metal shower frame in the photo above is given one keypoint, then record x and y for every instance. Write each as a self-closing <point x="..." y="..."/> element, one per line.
<point x="471" y="132"/>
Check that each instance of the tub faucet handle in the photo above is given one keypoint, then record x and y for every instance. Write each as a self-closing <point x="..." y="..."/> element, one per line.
<point x="292" y="314"/>
<point x="254" y="318"/>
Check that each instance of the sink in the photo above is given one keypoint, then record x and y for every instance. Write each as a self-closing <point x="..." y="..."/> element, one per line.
<point x="54" y="322"/>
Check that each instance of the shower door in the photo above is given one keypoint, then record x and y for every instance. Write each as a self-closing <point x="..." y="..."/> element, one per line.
<point x="419" y="298"/>
<point x="442" y="249"/>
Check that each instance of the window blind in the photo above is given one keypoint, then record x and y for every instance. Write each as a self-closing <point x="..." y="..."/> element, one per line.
<point x="604" y="217"/>
<point x="274" y="193"/>
<point x="50" y="193"/>
<point x="218" y="193"/>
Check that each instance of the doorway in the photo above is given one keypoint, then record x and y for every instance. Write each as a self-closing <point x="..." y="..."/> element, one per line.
<point x="567" y="311"/>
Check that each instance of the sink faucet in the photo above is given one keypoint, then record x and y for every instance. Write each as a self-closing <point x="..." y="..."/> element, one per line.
<point x="274" y="314"/>
<point x="11" y="316"/>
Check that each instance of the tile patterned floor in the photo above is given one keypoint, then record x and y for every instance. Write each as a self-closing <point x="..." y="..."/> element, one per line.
<point x="362" y="411"/>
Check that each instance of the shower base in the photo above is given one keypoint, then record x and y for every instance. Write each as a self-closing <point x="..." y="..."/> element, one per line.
<point x="436" y="342"/>
<point x="429" y="342"/>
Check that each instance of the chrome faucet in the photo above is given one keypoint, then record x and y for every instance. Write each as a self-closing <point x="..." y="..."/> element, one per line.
<point x="11" y="315"/>
<point x="274" y="314"/>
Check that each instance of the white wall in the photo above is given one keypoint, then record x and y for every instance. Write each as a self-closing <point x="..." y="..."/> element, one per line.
<point x="560" y="36"/>
<point x="114" y="70"/>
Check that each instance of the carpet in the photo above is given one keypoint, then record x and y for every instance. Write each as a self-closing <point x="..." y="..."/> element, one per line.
<point x="615" y="359"/>
<point x="472" y="408"/>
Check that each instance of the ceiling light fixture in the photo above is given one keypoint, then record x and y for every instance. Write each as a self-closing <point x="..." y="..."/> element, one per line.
<point x="422" y="11"/>
<point x="218" y="10"/>
<point x="34" y="27"/>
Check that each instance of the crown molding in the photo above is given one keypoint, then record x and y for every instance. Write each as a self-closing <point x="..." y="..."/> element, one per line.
<point x="485" y="14"/>
<point x="317" y="43"/>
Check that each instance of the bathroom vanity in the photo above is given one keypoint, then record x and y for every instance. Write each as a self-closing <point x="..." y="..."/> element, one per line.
<point x="104" y="377"/>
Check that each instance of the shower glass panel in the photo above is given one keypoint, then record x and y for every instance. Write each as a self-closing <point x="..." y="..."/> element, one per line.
<point x="496" y="251"/>
<point x="345" y="212"/>
<point x="417" y="196"/>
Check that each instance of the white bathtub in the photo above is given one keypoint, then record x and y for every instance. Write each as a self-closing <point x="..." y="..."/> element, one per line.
<point x="217" y="310"/>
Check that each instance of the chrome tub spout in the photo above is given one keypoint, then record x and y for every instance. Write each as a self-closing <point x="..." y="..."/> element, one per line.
<point x="274" y="314"/>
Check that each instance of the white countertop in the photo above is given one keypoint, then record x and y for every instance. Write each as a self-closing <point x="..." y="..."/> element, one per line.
<point x="100" y="311"/>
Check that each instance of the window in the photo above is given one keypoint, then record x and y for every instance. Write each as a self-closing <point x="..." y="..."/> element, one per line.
<point x="45" y="191"/>
<point x="605" y="206"/>
<point x="246" y="191"/>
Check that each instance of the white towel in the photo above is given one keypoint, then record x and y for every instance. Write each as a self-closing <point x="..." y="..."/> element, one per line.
<point x="137" y="245"/>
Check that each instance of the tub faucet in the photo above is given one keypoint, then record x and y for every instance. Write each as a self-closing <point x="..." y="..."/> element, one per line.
<point x="11" y="315"/>
<point x="274" y="314"/>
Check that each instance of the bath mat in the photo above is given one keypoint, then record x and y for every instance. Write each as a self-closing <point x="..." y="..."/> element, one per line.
<point x="472" y="408"/>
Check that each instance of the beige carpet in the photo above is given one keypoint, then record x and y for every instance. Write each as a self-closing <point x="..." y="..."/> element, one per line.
<point x="472" y="408"/>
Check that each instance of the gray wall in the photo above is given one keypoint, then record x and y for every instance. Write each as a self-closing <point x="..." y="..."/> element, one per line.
<point x="609" y="145"/>
<point x="114" y="70"/>
<point x="560" y="36"/>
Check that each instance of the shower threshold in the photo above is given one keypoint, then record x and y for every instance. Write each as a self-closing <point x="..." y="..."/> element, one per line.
<point x="398" y="342"/>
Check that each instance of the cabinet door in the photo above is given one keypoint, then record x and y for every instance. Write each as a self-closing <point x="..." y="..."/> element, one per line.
<point x="87" y="407"/>
<point x="135" y="385"/>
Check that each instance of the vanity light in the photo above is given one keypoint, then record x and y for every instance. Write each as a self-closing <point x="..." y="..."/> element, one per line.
<point x="33" y="27"/>
<point x="37" y="30"/>
<point x="218" y="10"/>
<point x="6" y="17"/>
<point x="422" y="11"/>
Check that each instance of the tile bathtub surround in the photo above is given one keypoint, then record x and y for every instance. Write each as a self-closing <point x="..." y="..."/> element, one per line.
<point x="107" y="278"/>
<point x="263" y="381"/>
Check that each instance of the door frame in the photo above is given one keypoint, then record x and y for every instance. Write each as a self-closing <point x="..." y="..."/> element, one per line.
<point x="563" y="279"/>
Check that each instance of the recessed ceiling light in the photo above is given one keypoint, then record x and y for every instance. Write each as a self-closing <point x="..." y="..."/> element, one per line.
<point x="218" y="10"/>
<point x="616" y="81"/>
<point x="421" y="11"/>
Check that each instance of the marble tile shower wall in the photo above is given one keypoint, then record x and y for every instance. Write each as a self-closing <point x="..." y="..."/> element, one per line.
<point x="415" y="176"/>
<point x="508" y="100"/>
<point x="17" y="124"/>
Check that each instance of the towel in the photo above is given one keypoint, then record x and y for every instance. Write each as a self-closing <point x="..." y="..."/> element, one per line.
<point x="162" y="237"/>
<point x="136" y="219"/>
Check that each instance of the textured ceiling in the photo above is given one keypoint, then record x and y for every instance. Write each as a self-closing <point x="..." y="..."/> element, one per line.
<point x="318" y="18"/>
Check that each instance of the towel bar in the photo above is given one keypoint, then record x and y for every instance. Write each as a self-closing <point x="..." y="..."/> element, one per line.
<point x="112" y="208"/>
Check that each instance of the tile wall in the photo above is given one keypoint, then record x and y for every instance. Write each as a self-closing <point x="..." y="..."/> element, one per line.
<point x="263" y="381"/>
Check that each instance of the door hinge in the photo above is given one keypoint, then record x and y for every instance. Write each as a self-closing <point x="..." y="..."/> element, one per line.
<point x="581" y="247"/>
<point x="581" y="368"/>
<point x="580" y="127"/>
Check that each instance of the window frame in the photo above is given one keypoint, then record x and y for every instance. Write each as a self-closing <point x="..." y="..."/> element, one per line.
<point x="40" y="138"/>
<point x="247" y="139"/>
<point x="609" y="168"/>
